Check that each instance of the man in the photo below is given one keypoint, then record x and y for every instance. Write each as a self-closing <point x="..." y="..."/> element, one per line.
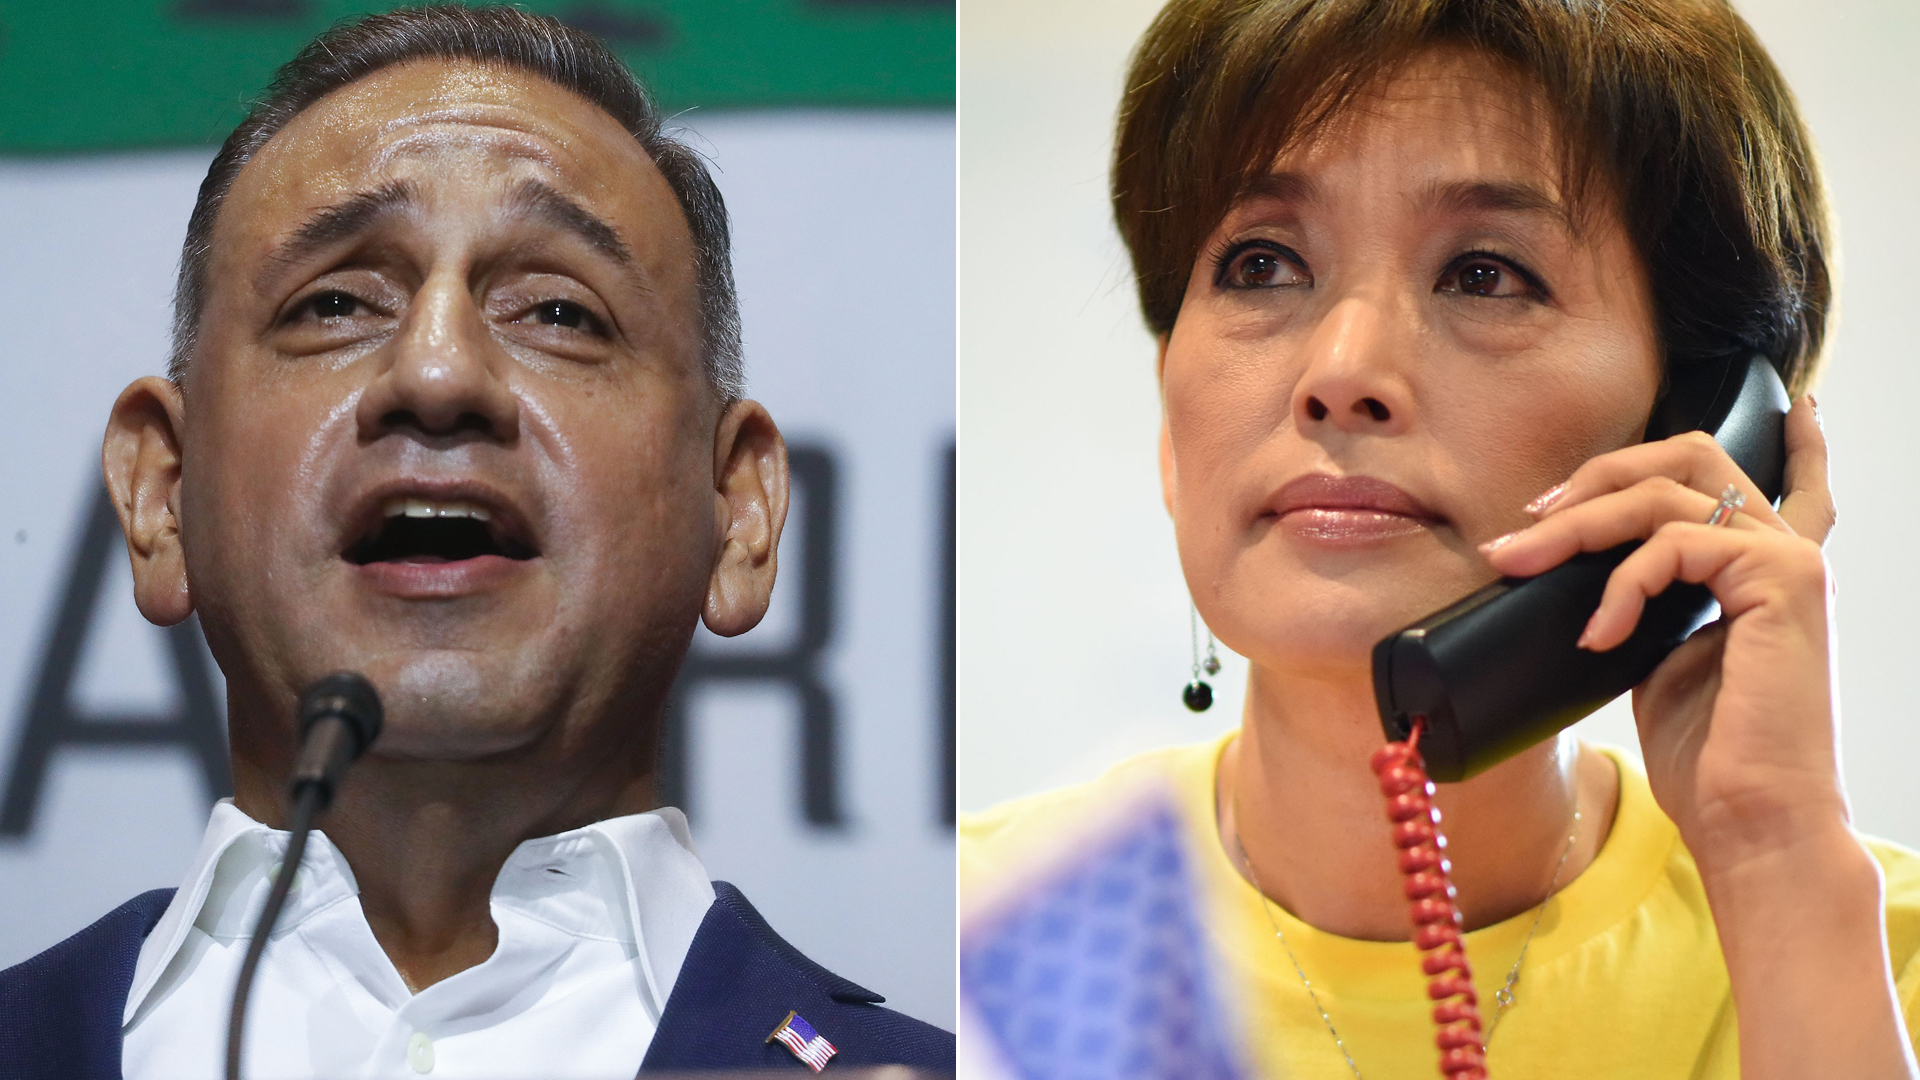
<point x="455" y="403"/>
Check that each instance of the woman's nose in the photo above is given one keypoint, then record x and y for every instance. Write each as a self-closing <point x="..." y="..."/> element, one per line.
<point x="1355" y="380"/>
<point x="444" y="373"/>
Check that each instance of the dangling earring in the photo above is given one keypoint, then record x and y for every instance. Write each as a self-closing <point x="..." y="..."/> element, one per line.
<point x="1199" y="694"/>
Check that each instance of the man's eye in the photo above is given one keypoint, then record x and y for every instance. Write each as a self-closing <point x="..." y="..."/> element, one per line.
<point x="1488" y="277"/>
<point x="565" y="313"/>
<point x="1261" y="267"/>
<point x="333" y="304"/>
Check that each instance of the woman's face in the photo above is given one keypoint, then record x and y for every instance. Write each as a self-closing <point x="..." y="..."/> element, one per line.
<point x="1386" y="351"/>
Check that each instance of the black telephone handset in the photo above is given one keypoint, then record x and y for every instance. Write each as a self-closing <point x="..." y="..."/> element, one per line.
<point x="1498" y="671"/>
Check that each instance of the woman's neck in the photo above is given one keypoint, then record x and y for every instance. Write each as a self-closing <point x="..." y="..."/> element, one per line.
<point x="1315" y="826"/>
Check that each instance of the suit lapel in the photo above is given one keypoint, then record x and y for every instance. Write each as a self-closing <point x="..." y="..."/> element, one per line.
<point x="739" y="982"/>
<point x="62" y="1008"/>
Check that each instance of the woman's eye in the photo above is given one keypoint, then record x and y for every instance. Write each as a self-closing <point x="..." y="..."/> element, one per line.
<point x="1490" y="278"/>
<point x="1261" y="268"/>
<point x="565" y="313"/>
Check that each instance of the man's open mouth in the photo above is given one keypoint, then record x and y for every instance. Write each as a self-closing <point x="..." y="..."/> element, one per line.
<point x="414" y="530"/>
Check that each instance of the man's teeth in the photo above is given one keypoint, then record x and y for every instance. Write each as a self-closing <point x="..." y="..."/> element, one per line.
<point x="428" y="508"/>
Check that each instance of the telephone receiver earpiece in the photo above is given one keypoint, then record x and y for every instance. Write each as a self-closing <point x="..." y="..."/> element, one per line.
<point x="1498" y="671"/>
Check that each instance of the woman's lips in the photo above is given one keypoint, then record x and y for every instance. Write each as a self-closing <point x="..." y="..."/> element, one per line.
<point x="1348" y="510"/>
<point x="1333" y="526"/>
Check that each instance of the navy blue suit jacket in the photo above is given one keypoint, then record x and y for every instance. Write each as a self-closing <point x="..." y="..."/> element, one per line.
<point x="60" y="1011"/>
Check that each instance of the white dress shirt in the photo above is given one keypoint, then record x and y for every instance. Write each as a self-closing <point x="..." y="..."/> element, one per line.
<point x="594" y="925"/>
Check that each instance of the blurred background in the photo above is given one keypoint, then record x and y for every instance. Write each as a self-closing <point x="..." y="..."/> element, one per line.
<point x="815" y="754"/>
<point x="1073" y="614"/>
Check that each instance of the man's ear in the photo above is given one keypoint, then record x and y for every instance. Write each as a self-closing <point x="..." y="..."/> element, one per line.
<point x="1166" y="437"/>
<point x="141" y="459"/>
<point x="749" y="505"/>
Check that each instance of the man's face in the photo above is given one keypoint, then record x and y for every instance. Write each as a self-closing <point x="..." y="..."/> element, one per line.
<point x="446" y="422"/>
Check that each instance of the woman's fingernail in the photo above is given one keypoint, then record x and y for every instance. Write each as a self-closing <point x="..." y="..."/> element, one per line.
<point x="1546" y="498"/>
<point x="1499" y="542"/>
<point x="1586" y="636"/>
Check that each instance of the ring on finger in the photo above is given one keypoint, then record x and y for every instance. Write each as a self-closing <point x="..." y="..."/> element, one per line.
<point x="1731" y="500"/>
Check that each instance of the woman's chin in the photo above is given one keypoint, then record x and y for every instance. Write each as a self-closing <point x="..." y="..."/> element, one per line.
<point x="1327" y="627"/>
<point x="1342" y="652"/>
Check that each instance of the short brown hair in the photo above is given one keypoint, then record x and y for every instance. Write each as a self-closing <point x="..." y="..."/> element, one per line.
<point x="537" y="44"/>
<point x="1670" y="104"/>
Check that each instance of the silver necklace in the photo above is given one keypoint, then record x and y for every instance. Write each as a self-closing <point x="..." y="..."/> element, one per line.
<point x="1503" y="998"/>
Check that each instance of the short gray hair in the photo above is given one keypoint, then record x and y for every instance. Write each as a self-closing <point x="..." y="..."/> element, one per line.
<point x="543" y="46"/>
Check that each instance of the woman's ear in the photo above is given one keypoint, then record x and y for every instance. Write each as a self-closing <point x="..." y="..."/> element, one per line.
<point x="141" y="460"/>
<point x="1166" y="438"/>
<point x="750" y="507"/>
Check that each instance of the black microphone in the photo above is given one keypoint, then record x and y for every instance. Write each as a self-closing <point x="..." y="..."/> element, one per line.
<point x="339" y="718"/>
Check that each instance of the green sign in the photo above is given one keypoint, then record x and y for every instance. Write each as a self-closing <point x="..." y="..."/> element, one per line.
<point x="117" y="74"/>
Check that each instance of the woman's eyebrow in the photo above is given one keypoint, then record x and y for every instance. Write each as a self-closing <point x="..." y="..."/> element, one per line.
<point x="1283" y="186"/>
<point x="1495" y="196"/>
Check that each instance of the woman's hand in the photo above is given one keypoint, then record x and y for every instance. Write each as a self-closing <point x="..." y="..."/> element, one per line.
<point x="1737" y="726"/>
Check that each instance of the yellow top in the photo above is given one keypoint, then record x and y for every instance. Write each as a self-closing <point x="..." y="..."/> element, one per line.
<point x="1623" y="979"/>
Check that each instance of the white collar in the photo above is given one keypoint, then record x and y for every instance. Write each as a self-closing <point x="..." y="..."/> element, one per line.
<point x="628" y="879"/>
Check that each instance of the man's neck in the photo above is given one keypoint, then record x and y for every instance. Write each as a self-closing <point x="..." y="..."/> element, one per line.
<point x="426" y="841"/>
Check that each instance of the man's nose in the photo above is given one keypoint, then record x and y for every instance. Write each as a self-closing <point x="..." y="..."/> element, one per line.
<point x="443" y="374"/>
<point x="1355" y="379"/>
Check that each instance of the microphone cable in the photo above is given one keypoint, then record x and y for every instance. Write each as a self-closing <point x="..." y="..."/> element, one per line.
<point x="340" y="716"/>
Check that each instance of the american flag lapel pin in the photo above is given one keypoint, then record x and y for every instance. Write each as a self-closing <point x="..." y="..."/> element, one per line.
<point x="807" y="1044"/>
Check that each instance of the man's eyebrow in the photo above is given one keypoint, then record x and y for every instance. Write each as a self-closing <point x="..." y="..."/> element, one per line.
<point x="346" y="218"/>
<point x="1497" y="196"/>
<point x="536" y="199"/>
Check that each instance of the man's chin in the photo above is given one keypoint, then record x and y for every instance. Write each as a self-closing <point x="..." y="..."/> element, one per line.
<point x="441" y="706"/>
<point x="451" y="739"/>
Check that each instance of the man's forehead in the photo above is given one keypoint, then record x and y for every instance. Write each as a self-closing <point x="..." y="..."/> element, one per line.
<point x="432" y="122"/>
<point x="505" y="130"/>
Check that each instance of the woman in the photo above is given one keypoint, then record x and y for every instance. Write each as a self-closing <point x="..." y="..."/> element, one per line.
<point x="1418" y="270"/>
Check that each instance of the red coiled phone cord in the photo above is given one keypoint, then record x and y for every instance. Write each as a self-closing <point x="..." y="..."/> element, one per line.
<point x="1436" y="919"/>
